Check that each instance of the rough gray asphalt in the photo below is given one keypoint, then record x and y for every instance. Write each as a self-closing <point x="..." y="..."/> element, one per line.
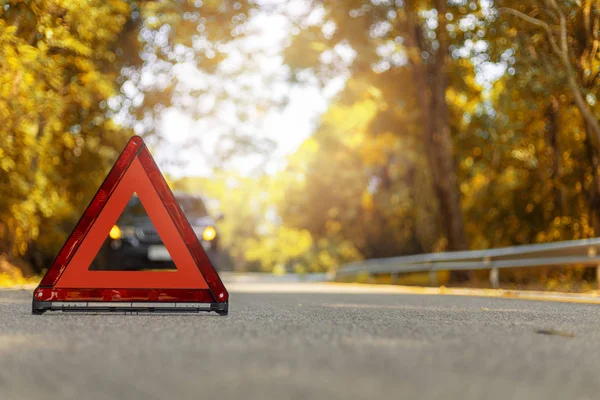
<point x="307" y="346"/>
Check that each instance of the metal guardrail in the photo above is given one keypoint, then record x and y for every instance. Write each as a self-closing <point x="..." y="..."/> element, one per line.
<point x="586" y="251"/>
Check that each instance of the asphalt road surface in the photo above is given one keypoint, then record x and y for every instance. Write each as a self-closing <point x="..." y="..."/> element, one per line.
<point x="318" y="344"/>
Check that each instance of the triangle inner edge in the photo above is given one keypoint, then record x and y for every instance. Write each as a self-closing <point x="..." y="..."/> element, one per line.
<point x="187" y="275"/>
<point x="138" y="247"/>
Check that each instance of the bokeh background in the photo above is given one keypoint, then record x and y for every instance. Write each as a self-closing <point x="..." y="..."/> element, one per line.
<point x="324" y="131"/>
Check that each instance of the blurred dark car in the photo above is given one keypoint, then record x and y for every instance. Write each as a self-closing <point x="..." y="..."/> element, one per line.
<point x="134" y="243"/>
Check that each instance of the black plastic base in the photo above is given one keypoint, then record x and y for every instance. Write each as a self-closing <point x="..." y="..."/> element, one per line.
<point x="40" y="307"/>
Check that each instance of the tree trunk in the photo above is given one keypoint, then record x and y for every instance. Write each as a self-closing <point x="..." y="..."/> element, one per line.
<point x="442" y="137"/>
<point x="431" y="83"/>
<point x="552" y="116"/>
<point x="586" y="48"/>
<point x="593" y="192"/>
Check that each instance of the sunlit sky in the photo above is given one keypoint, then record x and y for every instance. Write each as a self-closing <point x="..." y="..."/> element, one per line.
<point x="287" y="126"/>
<point x="267" y="35"/>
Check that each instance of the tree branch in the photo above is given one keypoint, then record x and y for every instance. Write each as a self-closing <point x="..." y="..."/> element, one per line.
<point x="563" y="26"/>
<point x="563" y="55"/>
<point x="536" y="22"/>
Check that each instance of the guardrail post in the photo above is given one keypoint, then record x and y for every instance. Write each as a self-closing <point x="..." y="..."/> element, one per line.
<point x="494" y="273"/>
<point x="495" y="278"/>
<point x="592" y="252"/>
<point x="433" y="278"/>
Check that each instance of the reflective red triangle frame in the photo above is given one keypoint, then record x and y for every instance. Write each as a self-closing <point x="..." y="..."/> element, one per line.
<point x="195" y="295"/>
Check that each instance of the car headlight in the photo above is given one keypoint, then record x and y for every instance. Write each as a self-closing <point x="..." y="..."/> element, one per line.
<point x="209" y="233"/>
<point x="115" y="233"/>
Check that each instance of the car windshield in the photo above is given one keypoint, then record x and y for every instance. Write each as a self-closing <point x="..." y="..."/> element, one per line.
<point x="192" y="207"/>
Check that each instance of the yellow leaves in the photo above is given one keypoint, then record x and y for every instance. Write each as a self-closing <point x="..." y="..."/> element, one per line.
<point x="45" y="81"/>
<point x="351" y="118"/>
<point x="457" y="98"/>
<point x="523" y="154"/>
<point x="27" y="53"/>
<point x="305" y="152"/>
<point x="562" y="220"/>
<point x="509" y="178"/>
<point x="325" y="259"/>
<point x="367" y="201"/>
<point x="479" y="181"/>
<point x="119" y="7"/>
<point x="29" y="129"/>
<point x="472" y="188"/>
<point x="281" y="247"/>
<point x="8" y="30"/>
<point x="84" y="64"/>
<point x="376" y="150"/>
<point x="511" y="32"/>
<point x="11" y="275"/>
<point x="310" y="145"/>
<point x="68" y="140"/>
<point x="71" y="44"/>
<point x="10" y="59"/>
<point x="257" y="234"/>
<point x="350" y="123"/>
<point x="317" y="46"/>
<point x="7" y="164"/>
<point x="374" y="93"/>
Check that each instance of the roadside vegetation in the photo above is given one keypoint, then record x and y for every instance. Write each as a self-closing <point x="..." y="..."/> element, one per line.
<point x="462" y="124"/>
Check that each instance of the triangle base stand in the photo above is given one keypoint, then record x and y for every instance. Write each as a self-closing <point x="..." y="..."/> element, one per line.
<point x="40" y="307"/>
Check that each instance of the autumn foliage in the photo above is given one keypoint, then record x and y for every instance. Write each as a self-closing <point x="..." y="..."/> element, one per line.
<point x="464" y="124"/>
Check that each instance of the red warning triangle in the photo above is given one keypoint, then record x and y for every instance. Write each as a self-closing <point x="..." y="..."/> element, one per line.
<point x="69" y="284"/>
